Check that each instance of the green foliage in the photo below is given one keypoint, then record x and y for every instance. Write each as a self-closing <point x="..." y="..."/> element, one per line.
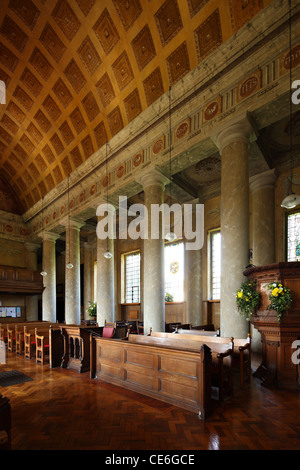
<point x="247" y="299"/>
<point x="169" y="297"/>
<point x="92" y="309"/>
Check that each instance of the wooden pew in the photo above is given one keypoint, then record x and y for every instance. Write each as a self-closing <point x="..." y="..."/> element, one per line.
<point x="242" y="358"/>
<point x="29" y="337"/>
<point x="171" y="374"/>
<point x="76" y="353"/>
<point x="222" y="357"/>
<point x="14" y="334"/>
<point x="198" y="332"/>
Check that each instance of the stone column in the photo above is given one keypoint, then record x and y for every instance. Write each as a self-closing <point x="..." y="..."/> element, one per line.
<point x="88" y="276"/>
<point x="263" y="218"/>
<point x="105" y="294"/>
<point x="49" y="266"/>
<point x="233" y="143"/>
<point x="31" y="301"/>
<point x="153" y="251"/>
<point x="72" y="275"/>
<point x="193" y="282"/>
<point x="263" y="229"/>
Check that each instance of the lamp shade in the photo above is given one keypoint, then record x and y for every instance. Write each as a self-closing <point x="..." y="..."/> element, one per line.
<point x="107" y="255"/>
<point x="290" y="201"/>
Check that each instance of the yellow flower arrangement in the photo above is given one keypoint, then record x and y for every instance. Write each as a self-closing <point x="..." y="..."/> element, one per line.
<point x="280" y="298"/>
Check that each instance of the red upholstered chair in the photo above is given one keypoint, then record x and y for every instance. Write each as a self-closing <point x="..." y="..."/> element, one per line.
<point x="109" y="330"/>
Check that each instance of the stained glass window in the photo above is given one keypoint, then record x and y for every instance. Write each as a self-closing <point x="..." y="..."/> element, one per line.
<point x="174" y="270"/>
<point x="293" y="237"/>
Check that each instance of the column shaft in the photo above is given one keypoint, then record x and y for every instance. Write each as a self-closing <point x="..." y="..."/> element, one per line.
<point x="72" y="276"/>
<point x="233" y="143"/>
<point x="49" y="266"/>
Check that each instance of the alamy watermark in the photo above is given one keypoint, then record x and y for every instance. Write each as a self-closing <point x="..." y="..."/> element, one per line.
<point x="138" y="222"/>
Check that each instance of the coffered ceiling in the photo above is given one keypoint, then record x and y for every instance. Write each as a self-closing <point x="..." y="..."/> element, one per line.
<point x="78" y="71"/>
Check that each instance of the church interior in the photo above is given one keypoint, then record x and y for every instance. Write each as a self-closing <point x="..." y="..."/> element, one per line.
<point x="121" y="340"/>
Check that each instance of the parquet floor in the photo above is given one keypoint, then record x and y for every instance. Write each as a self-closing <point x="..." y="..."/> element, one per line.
<point x="63" y="410"/>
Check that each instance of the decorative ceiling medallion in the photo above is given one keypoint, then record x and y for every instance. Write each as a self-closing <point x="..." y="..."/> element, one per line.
<point x="52" y="43"/>
<point x="105" y="180"/>
<point x="62" y="93"/>
<point x="91" y="107"/>
<point x="138" y="159"/>
<point x="34" y="133"/>
<point x="115" y="121"/>
<point x="143" y="47"/>
<point x="289" y="59"/>
<point x="122" y="70"/>
<point x="23" y="98"/>
<point x="93" y="189"/>
<point x="31" y="82"/>
<point x="7" y="58"/>
<point x="182" y="130"/>
<point x="128" y="11"/>
<point x="153" y="86"/>
<point x="248" y="86"/>
<point x="41" y="64"/>
<point x="26" y="10"/>
<point x="66" y="132"/>
<point x="87" y="146"/>
<point x="100" y="134"/>
<point x="212" y="110"/>
<point x="66" y="19"/>
<point x="42" y="121"/>
<point x="106" y="32"/>
<point x="121" y="171"/>
<point x="76" y="157"/>
<point x="168" y="21"/>
<point x="105" y="90"/>
<point x="51" y="108"/>
<point x="133" y="105"/>
<point x="89" y="55"/>
<point x="75" y="76"/>
<point x="16" y="112"/>
<point x="13" y="33"/>
<point x="158" y="145"/>
<point x="77" y="120"/>
<point x="178" y="63"/>
<point x="50" y="181"/>
<point x="208" y="36"/>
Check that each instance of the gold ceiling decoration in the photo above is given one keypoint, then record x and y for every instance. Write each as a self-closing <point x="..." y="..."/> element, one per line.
<point x="78" y="71"/>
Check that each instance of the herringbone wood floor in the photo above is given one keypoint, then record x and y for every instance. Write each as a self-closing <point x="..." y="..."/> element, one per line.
<point x="63" y="410"/>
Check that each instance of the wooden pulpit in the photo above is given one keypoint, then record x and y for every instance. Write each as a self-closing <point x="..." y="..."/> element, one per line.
<point x="278" y="367"/>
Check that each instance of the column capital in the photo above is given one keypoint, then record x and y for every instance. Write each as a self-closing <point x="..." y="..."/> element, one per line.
<point x="154" y="177"/>
<point x="74" y="223"/>
<point x="50" y="236"/>
<point x="267" y="179"/>
<point x="239" y="130"/>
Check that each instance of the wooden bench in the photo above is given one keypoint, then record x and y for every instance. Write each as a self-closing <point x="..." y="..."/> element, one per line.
<point x="14" y="334"/>
<point x="222" y="357"/>
<point x="198" y="332"/>
<point x="76" y="354"/>
<point x="242" y="358"/>
<point x="171" y="374"/>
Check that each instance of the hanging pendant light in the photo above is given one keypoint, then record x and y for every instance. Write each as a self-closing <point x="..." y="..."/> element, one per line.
<point x="43" y="272"/>
<point x="69" y="265"/>
<point x="107" y="254"/>
<point x="292" y="200"/>
<point x="170" y="236"/>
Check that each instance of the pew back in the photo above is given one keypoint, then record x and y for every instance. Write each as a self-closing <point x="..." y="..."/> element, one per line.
<point x="172" y="375"/>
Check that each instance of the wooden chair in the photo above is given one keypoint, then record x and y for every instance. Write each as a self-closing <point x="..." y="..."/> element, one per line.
<point x="109" y="329"/>
<point x="42" y="346"/>
<point x="242" y="358"/>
